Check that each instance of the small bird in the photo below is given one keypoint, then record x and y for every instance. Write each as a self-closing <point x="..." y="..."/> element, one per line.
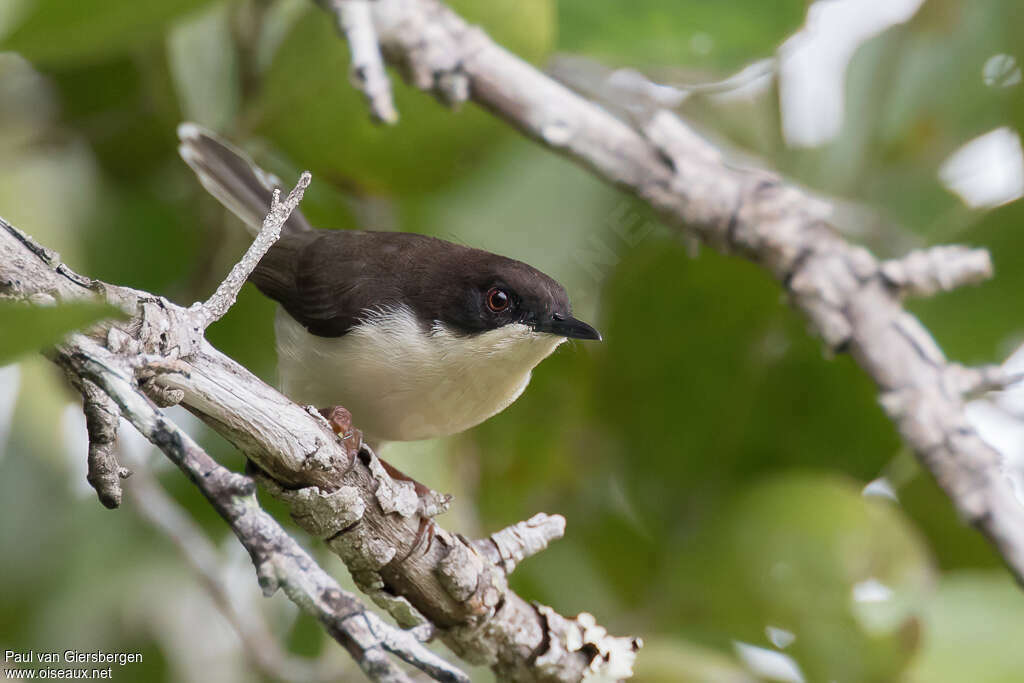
<point x="415" y="336"/>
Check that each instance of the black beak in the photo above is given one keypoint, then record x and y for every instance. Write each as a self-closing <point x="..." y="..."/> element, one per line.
<point x="567" y="326"/>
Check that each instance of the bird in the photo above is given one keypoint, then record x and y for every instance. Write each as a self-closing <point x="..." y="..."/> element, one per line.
<point x="416" y="337"/>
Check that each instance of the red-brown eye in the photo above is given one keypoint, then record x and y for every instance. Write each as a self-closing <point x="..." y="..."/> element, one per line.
<point x="498" y="300"/>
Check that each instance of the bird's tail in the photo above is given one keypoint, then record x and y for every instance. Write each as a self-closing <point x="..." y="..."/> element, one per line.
<point x="230" y="176"/>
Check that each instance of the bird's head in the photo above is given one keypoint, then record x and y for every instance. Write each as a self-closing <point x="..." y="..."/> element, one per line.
<point x="494" y="292"/>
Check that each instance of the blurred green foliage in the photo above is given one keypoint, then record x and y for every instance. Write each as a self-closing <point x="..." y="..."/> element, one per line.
<point x="696" y="33"/>
<point x="32" y="328"/>
<point x="58" y="32"/>
<point x="708" y="456"/>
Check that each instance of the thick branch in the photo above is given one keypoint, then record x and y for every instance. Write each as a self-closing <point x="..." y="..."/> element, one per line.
<point x="850" y="299"/>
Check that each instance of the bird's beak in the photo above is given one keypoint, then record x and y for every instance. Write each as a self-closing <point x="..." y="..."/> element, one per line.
<point x="567" y="326"/>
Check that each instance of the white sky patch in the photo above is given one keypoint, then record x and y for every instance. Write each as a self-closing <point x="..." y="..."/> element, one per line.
<point x="1001" y="71"/>
<point x="76" y="448"/>
<point x="813" y="63"/>
<point x="988" y="171"/>
<point x="881" y="488"/>
<point x="10" y="380"/>
<point x="769" y="664"/>
<point x="1012" y="399"/>
<point x="999" y="428"/>
<point x="135" y="450"/>
<point x="871" y="590"/>
<point x="999" y="419"/>
<point x="779" y="637"/>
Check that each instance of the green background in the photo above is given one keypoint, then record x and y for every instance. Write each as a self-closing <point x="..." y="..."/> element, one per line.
<point x="708" y="455"/>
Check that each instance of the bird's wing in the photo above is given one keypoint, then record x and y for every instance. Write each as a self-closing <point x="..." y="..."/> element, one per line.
<point x="328" y="280"/>
<point x="235" y="180"/>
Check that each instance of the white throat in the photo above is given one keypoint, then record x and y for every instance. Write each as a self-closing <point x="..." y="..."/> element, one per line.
<point x="403" y="384"/>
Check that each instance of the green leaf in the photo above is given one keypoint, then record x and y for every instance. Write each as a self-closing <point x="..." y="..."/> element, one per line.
<point x="32" y="328"/>
<point x="62" y="31"/>
<point x="679" y="33"/>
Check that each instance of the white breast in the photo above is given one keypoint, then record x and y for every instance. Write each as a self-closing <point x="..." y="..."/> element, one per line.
<point x="403" y="384"/>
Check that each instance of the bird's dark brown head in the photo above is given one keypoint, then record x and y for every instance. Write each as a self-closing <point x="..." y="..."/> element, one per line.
<point x="479" y="291"/>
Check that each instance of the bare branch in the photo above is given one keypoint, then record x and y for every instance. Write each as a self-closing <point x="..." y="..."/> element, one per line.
<point x="925" y="272"/>
<point x="224" y="298"/>
<point x="101" y="422"/>
<point x="614" y="658"/>
<point x="367" y="72"/>
<point x="972" y="382"/>
<point x="408" y="565"/>
<point x="513" y="544"/>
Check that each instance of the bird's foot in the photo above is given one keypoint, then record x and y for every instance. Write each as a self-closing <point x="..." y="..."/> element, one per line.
<point x="340" y="421"/>
<point x="431" y="503"/>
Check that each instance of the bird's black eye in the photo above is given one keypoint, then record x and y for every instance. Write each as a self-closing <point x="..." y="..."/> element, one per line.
<point x="498" y="299"/>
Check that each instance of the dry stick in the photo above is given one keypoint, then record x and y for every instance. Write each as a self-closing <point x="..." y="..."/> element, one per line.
<point x="224" y="298"/>
<point x="850" y="299"/>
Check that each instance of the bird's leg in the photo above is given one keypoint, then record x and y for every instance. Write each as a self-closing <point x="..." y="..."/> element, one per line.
<point x="341" y="422"/>
<point x="431" y="502"/>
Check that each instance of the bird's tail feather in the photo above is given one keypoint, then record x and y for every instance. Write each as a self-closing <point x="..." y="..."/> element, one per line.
<point x="239" y="184"/>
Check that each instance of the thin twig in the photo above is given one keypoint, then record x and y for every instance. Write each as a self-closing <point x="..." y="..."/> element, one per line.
<point x="925" y="272"/>
<point x="224" y="298"/>
<point x="513" y="544"/>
